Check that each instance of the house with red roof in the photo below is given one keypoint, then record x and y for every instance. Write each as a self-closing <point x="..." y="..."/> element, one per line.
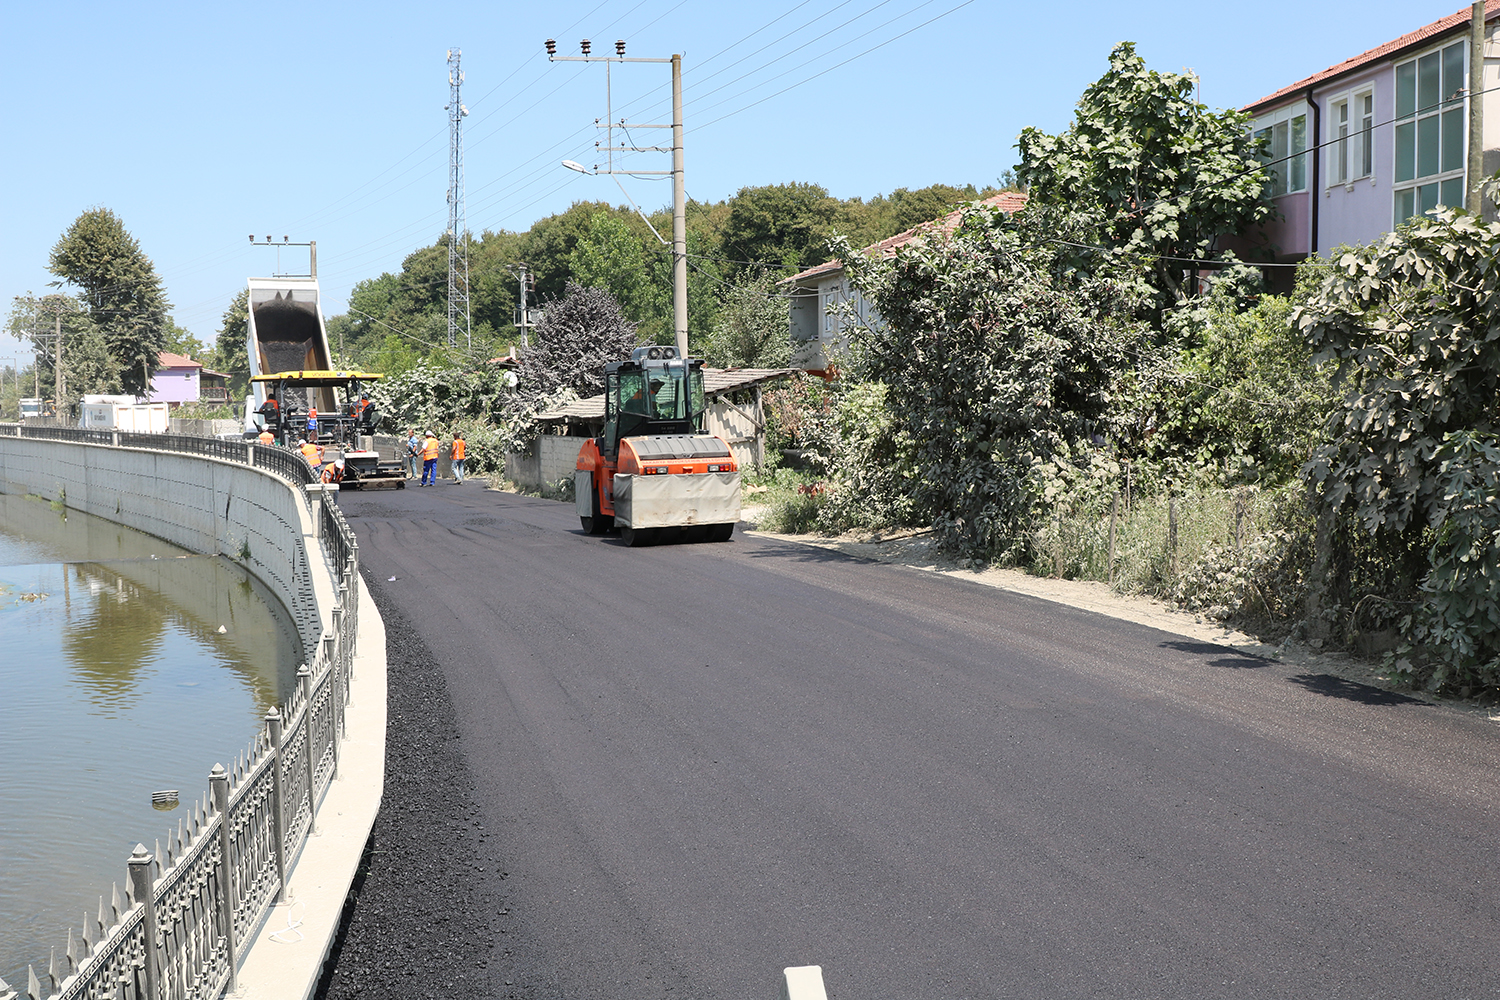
<point x="178" y="380"/>
<point x="1363" y="146"/>
<point x="817" y="322"/>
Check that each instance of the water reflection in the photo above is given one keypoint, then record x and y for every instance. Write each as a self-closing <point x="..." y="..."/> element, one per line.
<point x="128" y="666"/>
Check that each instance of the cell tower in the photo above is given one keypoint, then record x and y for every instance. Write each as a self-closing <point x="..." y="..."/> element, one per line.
<point x="458" y="235"/>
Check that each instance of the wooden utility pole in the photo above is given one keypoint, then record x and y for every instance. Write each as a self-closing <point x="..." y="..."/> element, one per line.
<point x="1474" y="197"/>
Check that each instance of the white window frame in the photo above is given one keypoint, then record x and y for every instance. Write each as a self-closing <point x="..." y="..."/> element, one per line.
<point x="1288" y="116"/>
<point x="1412" y="186"/>
<point x="1366" y="132"/>
<point x="1355" y="147"/>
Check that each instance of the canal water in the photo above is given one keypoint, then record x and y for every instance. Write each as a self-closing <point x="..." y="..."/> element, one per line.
<point x="128" y="667"/>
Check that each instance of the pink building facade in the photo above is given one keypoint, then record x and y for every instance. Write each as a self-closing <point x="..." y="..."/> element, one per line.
<point x="1363" y="146"/>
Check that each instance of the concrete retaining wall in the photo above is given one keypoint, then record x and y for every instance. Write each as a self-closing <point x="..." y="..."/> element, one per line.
<point x="553" y="457"/>
<point x="253" y="517"/>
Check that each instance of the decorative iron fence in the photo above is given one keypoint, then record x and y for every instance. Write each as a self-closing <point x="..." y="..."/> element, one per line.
<point x="192" y="903"/>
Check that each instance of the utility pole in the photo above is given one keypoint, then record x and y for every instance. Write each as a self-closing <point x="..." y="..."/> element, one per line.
<point x="458" y="259"/>
<point x="57" y="369"/>
<point x="679" y="186"/>
<point x="286" y="241"/>
<point x="1474" y="200"/>
<point x="523" y="315"/>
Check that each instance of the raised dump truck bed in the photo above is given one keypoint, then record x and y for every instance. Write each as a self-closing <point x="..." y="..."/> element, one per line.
<point x="285" y="333"/>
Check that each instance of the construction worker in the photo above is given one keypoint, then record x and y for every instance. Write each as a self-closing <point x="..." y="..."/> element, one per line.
<point x="312" y="453"/>
<point x="266" y="437"/>
<point x="457" y="451"/>
<point x="429" y="460"/>
<point x="413" y="447"/>
<point x="312" y="424"/>
<point x="334" y="472"/>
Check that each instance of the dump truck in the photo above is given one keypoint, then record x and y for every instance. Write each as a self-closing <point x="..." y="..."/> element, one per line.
<point x="346" y="426"/>
<point x="285" y="333"/>
<point x="653" y="472"/>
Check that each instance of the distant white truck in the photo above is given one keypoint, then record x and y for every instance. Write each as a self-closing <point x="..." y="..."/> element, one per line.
<point x="124" y="413"/>
<point x="33" y="407"/>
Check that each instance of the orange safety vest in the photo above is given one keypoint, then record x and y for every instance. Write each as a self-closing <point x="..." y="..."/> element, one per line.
<point x="429" y="449"/>
<point x="312" y="453"/>
<point x="266" y="437"/>
<point x="458" y="449"/>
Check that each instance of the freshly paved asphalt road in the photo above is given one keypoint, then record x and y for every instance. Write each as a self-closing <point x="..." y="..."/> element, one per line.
<point x="671" y="771"/>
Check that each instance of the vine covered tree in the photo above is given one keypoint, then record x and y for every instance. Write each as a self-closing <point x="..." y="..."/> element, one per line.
<point x="120" y="288"/>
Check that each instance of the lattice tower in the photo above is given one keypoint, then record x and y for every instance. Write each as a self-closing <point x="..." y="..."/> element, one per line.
<point x="458" y="236"/>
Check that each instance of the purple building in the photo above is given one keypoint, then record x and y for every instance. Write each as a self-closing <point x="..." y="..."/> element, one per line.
<point x="1365" y="145"/>
<point x="178" y="380"/>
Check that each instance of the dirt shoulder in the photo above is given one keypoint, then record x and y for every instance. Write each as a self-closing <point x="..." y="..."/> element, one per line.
<point x="918" y="551"/>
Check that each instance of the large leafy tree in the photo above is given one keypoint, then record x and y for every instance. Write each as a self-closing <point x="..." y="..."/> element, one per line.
<point x="785" y="225"/>
<point x="1156" y="172"/>
<point x="610" y="256"/>
<point x="1413" y="449"/>
<point x="120" y="288"/>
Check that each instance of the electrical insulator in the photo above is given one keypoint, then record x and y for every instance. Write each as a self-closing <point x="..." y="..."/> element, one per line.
<point x="585" y="44"/>
<point x="619" y="46"/>
<point x="552" y="46"/>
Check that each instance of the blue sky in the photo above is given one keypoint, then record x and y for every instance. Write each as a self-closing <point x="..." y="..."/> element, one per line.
<point x="199" y="124"/>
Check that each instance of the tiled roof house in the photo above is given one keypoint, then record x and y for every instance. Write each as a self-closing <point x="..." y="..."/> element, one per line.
<point x="816" y="328"/>
<point x="1366" y="144"/>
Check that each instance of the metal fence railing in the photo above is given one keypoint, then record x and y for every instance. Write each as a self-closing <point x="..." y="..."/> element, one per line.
<point x="191" y="904"/>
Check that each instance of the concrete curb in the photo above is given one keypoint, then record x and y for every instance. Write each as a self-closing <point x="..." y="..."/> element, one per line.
<point x="285" y="958"/>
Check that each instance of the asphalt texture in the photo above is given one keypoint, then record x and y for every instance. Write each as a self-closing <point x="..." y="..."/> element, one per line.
<point x="673" y="771"/>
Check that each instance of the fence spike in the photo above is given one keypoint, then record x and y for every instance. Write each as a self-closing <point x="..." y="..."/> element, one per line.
<point x="88" y="934"/>
<point x="72" y="953"/>
<point x="52" y="963"/>
<point x="33" y="988"/>
<point x="115" y="902"/>
<point x="104" y="924"/>
<point x="161" y="866"/>
<point x="6" y="992"/>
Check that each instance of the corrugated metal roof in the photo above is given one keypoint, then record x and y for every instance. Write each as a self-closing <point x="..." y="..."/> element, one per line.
<point x="1008" y="201"/>
<point x="715" y="382"/>
<point x="1411" y="39"/>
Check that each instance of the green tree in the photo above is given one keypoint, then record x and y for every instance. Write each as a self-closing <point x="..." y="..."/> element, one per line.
<point x="88" y="366"/>
<point x="610" y="256"/>
<point x="120" y="287"/>
<point x="751" y="329"/>
<point x="1243" y="400"/>
<point x="1158" y="173"/>
<point x="180" y="340"/>
<point x="782" y="225"/>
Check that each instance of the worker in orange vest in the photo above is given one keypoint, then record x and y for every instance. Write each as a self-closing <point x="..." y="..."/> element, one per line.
<point x="457" y="451"/>
<point x="312" y="424"/>
<point x="429" y="460"/>
<point x="266" y="437"/>
<point x="312" y="453"/>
